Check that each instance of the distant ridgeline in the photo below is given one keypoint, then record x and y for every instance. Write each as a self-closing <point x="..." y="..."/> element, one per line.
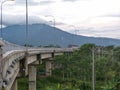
<point x="45" y="35"/>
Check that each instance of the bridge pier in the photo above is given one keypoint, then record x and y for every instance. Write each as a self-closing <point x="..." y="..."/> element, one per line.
<point x="15" y="85"/>
<point x="32" y="77"/>
<point x="48" y="66"/>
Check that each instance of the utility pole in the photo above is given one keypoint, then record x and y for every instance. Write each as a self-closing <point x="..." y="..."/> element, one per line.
<point x="93" y="68"/>
<point x="26" y="26"/>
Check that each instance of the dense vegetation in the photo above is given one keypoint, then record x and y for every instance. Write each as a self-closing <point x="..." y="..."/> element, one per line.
<point x="73" y="71"/>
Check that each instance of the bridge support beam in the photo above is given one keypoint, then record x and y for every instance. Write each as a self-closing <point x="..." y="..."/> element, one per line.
<point x="48" y="67"/>
<point x="15" y="85"/>
<point x="32" y="77"/>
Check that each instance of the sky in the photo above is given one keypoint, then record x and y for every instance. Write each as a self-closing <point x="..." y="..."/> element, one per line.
<point x="96" y="18"/>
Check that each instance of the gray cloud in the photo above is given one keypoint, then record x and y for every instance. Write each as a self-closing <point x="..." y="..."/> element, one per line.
<point x="31" y="2"/>
<point x="74" y="0"/>
<point x="21" y="19"/>
<point x="59" y="23"/>
<point x="46" y="2"/>
<point x="70" y="0"/>
<point x="104" y="32"/>
<point x="23" y="2"/>
<point x="111" y="15"/>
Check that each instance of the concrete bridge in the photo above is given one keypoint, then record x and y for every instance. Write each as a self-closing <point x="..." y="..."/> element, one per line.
<point x="19" y="62"/>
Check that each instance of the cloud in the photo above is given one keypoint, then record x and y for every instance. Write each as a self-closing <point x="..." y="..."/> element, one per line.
<point x="70" y="0"/>
<point x="73" y="0"/>
<point x="97" y="16"/>
<point x="59" y="23"/>
<point x="35" y="2"/>
<point x="23" y="2"/>
<point x="105" y="32"/>
<point x="46" y="2"/>
<point x="21" y="19"/>
<point x="111" y="15"/>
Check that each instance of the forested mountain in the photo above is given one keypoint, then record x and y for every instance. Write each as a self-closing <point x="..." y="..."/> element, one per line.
<point x="42" y="35"/>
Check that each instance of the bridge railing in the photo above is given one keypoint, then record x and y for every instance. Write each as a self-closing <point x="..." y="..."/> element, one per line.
<point x="8" y="63"/>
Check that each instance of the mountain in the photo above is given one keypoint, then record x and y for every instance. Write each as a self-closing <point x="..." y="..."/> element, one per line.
<point x="42" y="34"/>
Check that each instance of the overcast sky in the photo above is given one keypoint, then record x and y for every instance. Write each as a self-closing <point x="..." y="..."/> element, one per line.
<point x="98" y="18"/>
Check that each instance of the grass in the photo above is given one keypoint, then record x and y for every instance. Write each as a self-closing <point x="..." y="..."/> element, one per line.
<point x="23" y="83"/>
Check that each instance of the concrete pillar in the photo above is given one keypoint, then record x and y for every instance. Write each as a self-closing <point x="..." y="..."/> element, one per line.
<point x="26" y="66"/>
<point x="23" y="67"/>
<point x="32" y="77"/>
<point x="15" y="85"/>
<point x="48" y="68"/>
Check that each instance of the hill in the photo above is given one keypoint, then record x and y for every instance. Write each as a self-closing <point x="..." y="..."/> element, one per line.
<point x="42" y="35"/>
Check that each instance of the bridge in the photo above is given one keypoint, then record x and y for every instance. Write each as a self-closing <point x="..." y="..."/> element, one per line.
<point x="16" y="62"/>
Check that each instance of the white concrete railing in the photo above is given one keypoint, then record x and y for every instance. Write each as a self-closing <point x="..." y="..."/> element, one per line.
<point x="11" y="67"/>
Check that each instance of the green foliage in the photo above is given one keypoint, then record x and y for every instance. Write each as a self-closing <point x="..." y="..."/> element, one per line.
<point x="23" y="84"/>
<point x="74" y="71"/>
<point x="79" y="65"/>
